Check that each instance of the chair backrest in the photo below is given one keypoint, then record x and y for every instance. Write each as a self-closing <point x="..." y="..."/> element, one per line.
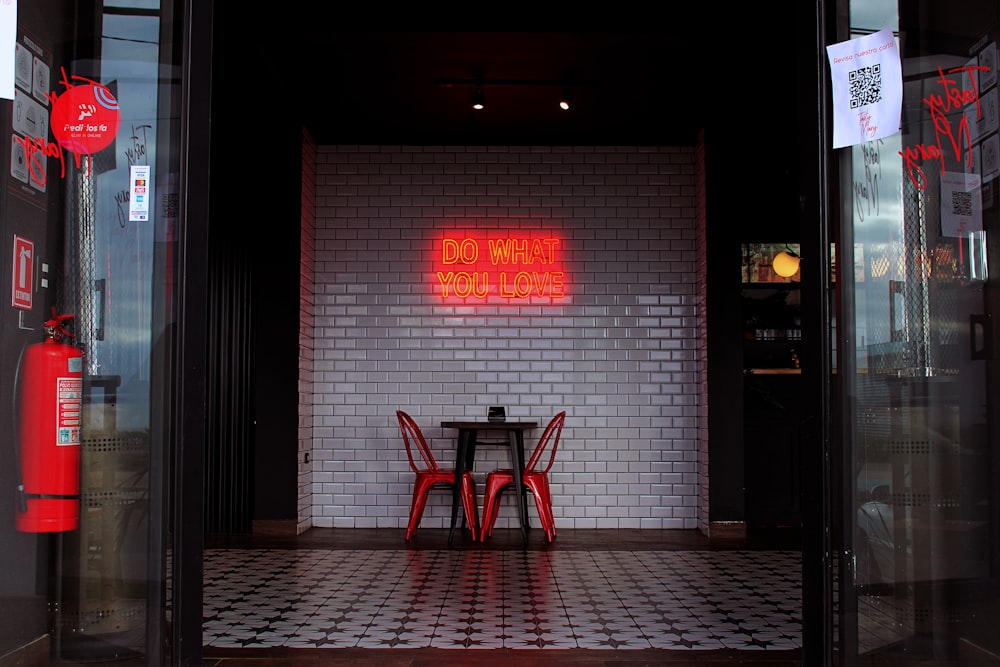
<point x="548" y="442"/>
<point x="413" y="438"/>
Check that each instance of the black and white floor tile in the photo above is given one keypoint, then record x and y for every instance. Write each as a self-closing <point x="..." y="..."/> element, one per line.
<point x="468" y="599"/>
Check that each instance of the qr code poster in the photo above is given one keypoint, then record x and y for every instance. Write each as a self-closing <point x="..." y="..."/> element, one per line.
<point x="990" y="111"/>
<point x="991" y="158"/>
<point x="961" y="204"/>
<point x="8" y="40"/>
<point x="988" y="59"/>
<point x="867" y="81"/>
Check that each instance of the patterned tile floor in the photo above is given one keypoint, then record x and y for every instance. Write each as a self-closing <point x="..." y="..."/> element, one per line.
<point x="490" y="599"/>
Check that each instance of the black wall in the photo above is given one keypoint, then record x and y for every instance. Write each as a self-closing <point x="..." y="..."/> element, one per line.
<point x="253" y="348"/>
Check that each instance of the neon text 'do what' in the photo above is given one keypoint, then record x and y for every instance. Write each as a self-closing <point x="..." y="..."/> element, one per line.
<point x="507" y="267"/>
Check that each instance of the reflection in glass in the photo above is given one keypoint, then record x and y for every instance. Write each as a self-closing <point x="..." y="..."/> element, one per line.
<point x="925" y="514"/>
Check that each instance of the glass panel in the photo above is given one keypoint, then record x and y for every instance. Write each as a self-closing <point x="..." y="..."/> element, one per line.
<point x="923" y="451"/>
<point x="82" y="568"/>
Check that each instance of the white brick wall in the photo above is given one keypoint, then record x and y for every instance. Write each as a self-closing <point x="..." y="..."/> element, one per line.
<point x="620" y="354"/>
<point x="307" y="335"/>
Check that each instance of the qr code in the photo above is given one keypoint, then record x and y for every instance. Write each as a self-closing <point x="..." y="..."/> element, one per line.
<point x="961" y="203"/>
<point x="866" y="86"/>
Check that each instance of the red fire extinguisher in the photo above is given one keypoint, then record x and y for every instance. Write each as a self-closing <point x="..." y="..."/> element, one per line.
<point x="50" y="418"/>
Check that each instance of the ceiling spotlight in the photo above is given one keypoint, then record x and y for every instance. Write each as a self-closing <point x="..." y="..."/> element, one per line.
<point x="478" y="99"/>
<point x="566" y="101"/>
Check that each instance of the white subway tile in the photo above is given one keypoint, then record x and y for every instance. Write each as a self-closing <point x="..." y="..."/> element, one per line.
<point x="621" y="354"/>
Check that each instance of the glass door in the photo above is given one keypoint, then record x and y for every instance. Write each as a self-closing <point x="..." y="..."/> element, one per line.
<point x="920" y="535"/>
<point x="89" y="209"/>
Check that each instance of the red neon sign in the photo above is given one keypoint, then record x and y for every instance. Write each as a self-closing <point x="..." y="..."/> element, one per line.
<point x="940" y="105"/>
<point x="505" y="265"/>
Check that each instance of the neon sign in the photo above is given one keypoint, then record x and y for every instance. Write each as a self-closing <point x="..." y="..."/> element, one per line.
<point x="940" y="105"/>
<point x="502" y="266"/>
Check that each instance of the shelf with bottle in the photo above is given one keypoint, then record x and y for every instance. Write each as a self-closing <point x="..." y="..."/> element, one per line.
<point x="772" y="371"/>
<point x="774" y="317"/>
<point x="793" y="333"/>
<point x="770" y="354"/>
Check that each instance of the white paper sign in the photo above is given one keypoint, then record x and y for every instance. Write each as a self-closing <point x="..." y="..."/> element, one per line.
<point x="8" y="44"/>
<point x="867" y="81"/>
<point x="961" y="204"/>
<point x="138" y="202"/>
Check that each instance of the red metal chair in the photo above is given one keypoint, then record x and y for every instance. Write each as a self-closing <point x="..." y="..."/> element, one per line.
<point x="431" y="475"/>
<point x="536" y="478"/>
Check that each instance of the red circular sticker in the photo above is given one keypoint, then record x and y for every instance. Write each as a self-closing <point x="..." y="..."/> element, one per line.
<point x="85" y="119"/>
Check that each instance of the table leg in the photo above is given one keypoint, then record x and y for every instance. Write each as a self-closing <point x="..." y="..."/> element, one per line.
<point x="517" y="460"/>
<point x="456" y="492"/>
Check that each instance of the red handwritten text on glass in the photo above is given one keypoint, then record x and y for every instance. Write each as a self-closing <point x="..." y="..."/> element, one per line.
<point x="952" y="98"/>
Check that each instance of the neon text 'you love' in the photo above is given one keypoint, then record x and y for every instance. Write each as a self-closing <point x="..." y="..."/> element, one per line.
<point x="508" y="267"/>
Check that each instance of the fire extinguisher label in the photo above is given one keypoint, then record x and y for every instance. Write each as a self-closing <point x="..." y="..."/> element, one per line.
<point x="23" y="282"/>
<point x="69" y="411"/>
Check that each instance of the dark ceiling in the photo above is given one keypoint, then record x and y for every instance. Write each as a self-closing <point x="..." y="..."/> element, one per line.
<point x="652" y="88"/>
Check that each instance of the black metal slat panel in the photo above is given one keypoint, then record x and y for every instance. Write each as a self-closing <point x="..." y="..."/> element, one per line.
<point x="228" y="458"/>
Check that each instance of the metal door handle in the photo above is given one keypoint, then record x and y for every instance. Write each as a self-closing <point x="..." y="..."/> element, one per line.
<point x="983" y="326"/>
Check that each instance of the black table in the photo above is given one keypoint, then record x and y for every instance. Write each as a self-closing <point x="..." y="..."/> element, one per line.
<point x="465" y="454"/>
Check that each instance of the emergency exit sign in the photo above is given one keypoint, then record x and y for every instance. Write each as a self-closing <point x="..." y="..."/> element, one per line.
<point x="23" y="279"/>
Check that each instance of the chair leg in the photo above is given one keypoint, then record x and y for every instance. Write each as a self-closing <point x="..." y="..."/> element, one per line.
<point x="416" y="512"/>
<point x="489" y="517"/>
<point x="495" y="508"/>
<point x="543" y="503"/>
<point x="547" y="502"/>
<point x="470" y="503"/>
<point x="491" y="506"/>
<point x="420" y="492"/>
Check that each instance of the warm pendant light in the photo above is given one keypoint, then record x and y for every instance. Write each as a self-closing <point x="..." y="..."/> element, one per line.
<point x="785" y="263"/>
